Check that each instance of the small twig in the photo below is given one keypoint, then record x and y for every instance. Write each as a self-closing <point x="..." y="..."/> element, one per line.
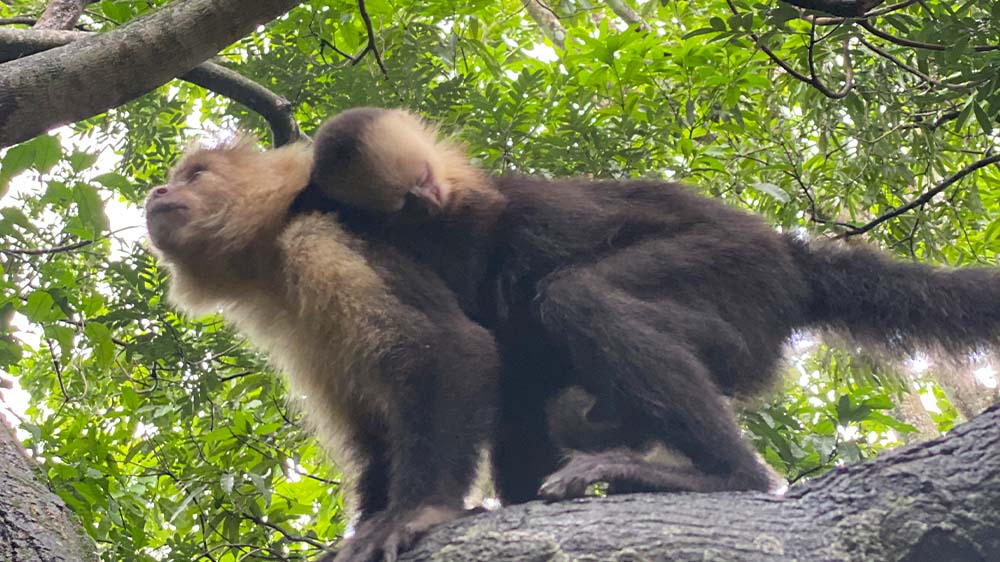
<point x="62" y="249"/>
<point x="917" y="44"/>
<point x="236" y="376"/>
<point x="58" y="370"/>
<point x="811" y="80"/>
<point x="916" y="71"/>
<point x="370" y="47"/>
<point x="324" y="44"/>
<point x="46" y="251"/>
<point x="848" y="69"/>
<point x="285" y="532"/>
<point x="925" y="198"/>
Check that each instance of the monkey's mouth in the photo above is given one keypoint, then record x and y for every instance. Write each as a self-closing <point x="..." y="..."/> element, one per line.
<point x="163" y="207"/>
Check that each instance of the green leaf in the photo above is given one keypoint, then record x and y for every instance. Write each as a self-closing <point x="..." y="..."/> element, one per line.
<point x="100" y="341"/>
<point x="772" y="190"/>
<point x="80" y="161"/>
<point x="40" y="153"/>
<point x="985" y="121"/>
<point x="90" y="209"/>
<point x="40" y="307"/>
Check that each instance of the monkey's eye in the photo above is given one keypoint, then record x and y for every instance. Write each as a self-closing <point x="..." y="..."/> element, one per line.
<point x="194" y="172"/>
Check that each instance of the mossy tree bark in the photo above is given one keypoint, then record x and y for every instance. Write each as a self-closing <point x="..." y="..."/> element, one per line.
<point x="35" y="525"/>
<point x="934" y="501"/>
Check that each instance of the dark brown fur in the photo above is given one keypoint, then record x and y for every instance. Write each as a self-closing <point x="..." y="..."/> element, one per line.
<point x="658" y="301"/>
<point x="391" y="371"/>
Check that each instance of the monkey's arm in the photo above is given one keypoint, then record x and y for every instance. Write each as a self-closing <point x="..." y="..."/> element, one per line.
<point x="427" y="403"/>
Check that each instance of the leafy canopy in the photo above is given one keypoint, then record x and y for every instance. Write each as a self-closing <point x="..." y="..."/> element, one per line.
<point x="171" y="439"/>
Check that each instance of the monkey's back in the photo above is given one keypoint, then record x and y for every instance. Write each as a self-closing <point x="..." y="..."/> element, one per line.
<point x="740" y="291"/>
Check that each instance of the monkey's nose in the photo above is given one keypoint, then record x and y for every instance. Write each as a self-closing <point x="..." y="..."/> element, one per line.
<point x="160" y="191"/>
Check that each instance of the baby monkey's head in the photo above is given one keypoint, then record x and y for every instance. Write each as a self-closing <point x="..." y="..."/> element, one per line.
<point x="382" y="159"/>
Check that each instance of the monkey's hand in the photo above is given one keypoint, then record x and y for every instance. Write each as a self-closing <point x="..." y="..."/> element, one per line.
<point x="383" y="537"/>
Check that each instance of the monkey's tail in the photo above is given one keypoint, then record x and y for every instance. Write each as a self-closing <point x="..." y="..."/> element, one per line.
<point x="898" y="305"/>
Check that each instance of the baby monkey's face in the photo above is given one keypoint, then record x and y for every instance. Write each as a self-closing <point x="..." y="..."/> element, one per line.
<point x="379" y="160"/>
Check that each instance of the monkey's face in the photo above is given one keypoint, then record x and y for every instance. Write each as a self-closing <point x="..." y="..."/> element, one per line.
<point x="219" y="201"/>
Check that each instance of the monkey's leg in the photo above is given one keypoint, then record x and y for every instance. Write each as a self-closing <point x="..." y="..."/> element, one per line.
<point x="523" y="454"/>
<point x="644" y="349"/>
<point x="373" y="485"/>
<point x="442" y="406"/>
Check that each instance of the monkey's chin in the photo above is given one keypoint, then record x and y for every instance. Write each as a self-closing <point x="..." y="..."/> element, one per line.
<point x="166" y="235"/>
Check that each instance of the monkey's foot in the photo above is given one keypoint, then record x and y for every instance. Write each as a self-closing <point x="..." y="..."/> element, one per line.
<point x="383" y="537"/>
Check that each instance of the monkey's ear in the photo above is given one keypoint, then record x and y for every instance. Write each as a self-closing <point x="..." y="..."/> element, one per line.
<point x="428" y="190"/>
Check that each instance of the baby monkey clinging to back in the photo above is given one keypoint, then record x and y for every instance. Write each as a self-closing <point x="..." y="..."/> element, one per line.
<point x="656" y="300"/>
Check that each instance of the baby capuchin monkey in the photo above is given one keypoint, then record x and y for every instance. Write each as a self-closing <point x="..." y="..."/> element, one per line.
<point x="392" y="375"/>
<point x="658" y="302"/>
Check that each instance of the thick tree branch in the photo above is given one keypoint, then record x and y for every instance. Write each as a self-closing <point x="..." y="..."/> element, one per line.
<point x="872" y="14"/>
<point x="102" y="71"/>
<point x="842" y="8"/>
<point x="934" y="501"/>
<point x="275" y="109"/>
<point x="923" y="199"/>
<point x="62" y="14"/>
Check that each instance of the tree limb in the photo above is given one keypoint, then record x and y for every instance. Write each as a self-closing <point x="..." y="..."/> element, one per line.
<point x="547" y="21"/>
<point x="62" y="14"/>
<point x="934" y="501"/>
<point x="627" y="13"/>
<point x="80" y="80"/>
<point x="18" y="20"/>
<point x="275" y="109"/>
<point x="34" y="522"/>
<point x="923" y="199"/>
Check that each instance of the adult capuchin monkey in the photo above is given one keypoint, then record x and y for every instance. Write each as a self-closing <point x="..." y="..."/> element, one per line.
<point x="656" y="300"/>
<point x="389" y="366"/>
